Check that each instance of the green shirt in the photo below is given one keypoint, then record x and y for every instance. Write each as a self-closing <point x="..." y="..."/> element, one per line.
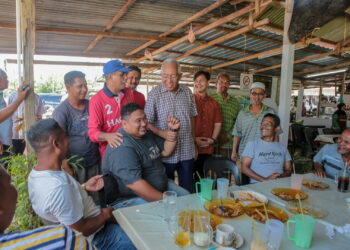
<point x="229" y="112"/>
<point x="247" y="126"/>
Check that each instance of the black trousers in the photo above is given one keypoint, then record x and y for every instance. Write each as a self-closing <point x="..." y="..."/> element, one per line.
<point x="18" y="146"/>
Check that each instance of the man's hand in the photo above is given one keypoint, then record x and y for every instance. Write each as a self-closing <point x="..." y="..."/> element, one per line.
<point x="173" y="123"/>
<point x="320" y="172"/>
<point x="23" y="93"/>
<point x="94" y="184"/>
<point x="114" y="139"/>
<point x="108" y="215"/>
<point x="273" y="176"/>
<point x="203" y="142"/>
<point x="234" y="156"/>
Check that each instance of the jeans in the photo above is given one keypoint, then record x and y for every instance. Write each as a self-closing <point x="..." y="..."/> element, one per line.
<point x="172" y="186"/>
<point x="185" y="173"/>
<point x="111" y="236"/>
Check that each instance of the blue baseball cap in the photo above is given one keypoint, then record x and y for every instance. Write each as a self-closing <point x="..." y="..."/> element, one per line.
<point x="114" y="65"/>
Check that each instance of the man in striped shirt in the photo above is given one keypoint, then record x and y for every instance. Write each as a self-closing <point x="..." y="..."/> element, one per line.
<point x="229" y="107"/>
<point x="247" y="127"/>
<point x="52" y="237"/>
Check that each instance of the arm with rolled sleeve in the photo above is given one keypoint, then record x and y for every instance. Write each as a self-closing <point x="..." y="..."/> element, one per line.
<point x="319" y="169"/>
<point x="60" y="117"/>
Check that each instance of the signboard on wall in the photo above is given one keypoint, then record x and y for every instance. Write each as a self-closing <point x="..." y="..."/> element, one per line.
<point x="245" y="81"/>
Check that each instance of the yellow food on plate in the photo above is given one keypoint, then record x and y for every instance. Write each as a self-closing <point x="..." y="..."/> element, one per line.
<point x="317" y="185"/>
<point x="214" y="220"/>
<point x="289" y="194"/>
<point x="226" y="208"/>
<point x="257" y="212"/>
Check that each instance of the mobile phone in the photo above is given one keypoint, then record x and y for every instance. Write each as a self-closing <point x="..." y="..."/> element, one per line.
<point x="25" y="87"/>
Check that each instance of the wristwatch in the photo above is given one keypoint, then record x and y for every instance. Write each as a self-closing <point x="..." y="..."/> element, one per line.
<point x="214" y="141"/>
<point x="83" y="186"/>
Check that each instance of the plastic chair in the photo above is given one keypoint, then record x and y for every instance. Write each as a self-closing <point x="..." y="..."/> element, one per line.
<point x="220" y="165"/>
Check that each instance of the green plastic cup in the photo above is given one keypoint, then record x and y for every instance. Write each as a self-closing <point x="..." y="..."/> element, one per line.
<point x="206" y="186"/>
<point x="303" y="229"/>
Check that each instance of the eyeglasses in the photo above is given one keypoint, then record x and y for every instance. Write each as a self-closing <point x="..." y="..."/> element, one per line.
<point x="257" y="94"/>
<point x="172" y="77"/>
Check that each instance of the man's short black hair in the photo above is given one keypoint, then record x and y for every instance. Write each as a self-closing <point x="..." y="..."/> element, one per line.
<point x="71" y="75"/>
<point x="40" y="131"/>
<point x="340" y="105"/>
<point x="201" y="72"/>
<point x="134" y="67"/>
<point x="275" y="118"/>
<point x="128" y="109"/>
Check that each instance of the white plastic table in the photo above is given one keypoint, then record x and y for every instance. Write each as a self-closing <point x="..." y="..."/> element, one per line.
<point x="147" y="230"/>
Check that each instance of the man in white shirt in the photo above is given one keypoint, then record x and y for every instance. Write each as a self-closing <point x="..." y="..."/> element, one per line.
<point x="58" y="197"/>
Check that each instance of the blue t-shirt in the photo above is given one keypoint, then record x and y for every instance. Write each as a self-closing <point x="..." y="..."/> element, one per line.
<point x="330" y="159"/>
<point x="267" y="157"/>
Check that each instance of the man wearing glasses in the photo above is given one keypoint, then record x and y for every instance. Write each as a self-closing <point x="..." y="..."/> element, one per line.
<point x="173" y="99"/>
<point x="247" y="126"/>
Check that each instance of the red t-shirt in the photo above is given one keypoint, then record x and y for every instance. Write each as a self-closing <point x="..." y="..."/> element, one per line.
<point x="105" y="114"/>
<point x="139" y="98"/>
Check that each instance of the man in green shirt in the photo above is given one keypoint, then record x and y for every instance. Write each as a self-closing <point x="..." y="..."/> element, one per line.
<point x="229" y="107"/>
<point x="247" y="127"/>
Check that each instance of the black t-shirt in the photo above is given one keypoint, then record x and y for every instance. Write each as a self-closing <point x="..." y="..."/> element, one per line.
<point x="134" y="160"/>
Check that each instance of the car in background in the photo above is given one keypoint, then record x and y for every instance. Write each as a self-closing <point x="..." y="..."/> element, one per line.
<point x="51" y="101"/>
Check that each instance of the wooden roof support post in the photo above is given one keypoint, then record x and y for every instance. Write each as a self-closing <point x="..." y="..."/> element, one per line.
<point x="286" y="75"/>
<point x="180" y="25"/>
<point x="343" y="85"/>
<point x="110" y="24"/>
<point x="27" y="31"/>
<point x="319" y="98"/>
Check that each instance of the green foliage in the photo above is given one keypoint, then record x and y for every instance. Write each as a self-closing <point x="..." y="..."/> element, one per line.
<point x="50" y="85"/>
<point x="19" y="167"/>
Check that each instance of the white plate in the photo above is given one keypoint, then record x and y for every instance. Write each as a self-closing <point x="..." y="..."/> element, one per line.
<point x="241" y="195"/>
<point x="237" y="243"/>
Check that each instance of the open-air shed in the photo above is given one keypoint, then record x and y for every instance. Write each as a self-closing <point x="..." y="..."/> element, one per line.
<point x="236" y="36"/>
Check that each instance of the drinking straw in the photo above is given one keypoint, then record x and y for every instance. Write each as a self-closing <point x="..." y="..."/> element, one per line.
<point x="266" y="214"/>
<point x="293" y="167"/>
<point x="301" y="208"/>
<point x="199" y="176"/>
<point x="256" y="237"/>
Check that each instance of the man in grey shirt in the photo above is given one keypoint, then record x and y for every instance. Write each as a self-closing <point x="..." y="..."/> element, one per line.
<point x="136" y="164"/>
<point x="264" y="159"/>
<point x="72" y="116"/>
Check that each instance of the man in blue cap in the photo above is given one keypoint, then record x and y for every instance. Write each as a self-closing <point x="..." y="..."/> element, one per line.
<point x="105" y="106"/>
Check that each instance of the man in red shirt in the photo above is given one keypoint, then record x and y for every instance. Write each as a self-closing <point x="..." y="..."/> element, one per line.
<point x="105" y="106"/>
<point x="208" y="121"/>
<point x="133" y="78"/>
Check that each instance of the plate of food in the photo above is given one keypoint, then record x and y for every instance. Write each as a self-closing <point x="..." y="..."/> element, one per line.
<point x="246" y="197"/>
<point x="257" y="212"/>
<point x="214" y="220"/>
<point x="317" y="213"/>
<point x="224" y="208"/>
<point x="289" y="194"/>
<point x="316" y="185"/>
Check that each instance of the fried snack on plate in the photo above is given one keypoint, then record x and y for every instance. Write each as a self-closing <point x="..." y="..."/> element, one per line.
<point x="289" y="194"/>
<point x="316" y="185"/>
<point x="257" y="212"/>
<point x="214" y="220"/>
<point x="228" y="208"/>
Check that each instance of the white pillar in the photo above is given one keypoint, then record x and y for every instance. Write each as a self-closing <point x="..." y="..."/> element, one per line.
<point x="286" y="76"/>
<point x="300" y="102"/>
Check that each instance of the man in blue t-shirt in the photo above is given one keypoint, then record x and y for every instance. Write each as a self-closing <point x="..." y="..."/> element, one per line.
<point x="333" y="157"/>
<point x="264" y="159"/>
